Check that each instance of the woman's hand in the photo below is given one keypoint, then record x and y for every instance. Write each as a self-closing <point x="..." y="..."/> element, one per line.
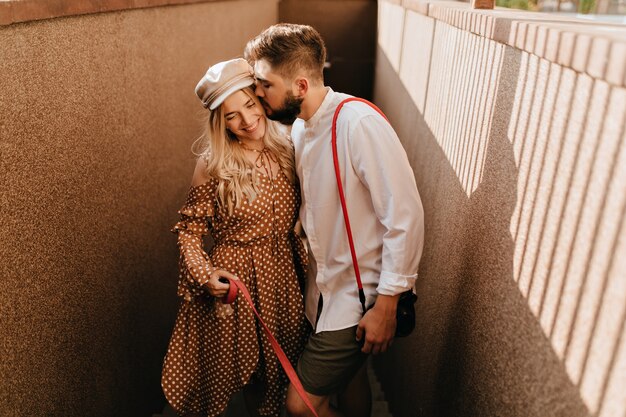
<point x="215" y="287"/>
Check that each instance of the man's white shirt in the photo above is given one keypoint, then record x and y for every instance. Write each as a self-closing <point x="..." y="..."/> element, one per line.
<point x="383" y="203"/>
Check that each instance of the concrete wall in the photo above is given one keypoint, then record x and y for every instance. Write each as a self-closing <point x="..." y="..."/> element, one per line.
<point x="349" y="31"/>
<point x="515" y="128"/>
<point x="97" y="115"/>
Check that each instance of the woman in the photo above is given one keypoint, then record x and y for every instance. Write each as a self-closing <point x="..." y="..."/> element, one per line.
<point x="244" y="193"/>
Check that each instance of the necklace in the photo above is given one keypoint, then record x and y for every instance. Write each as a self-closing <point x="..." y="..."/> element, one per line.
<point x="263" y="160"/>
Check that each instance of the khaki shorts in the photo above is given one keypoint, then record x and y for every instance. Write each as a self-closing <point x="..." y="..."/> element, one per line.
<point x="329" y="361"/>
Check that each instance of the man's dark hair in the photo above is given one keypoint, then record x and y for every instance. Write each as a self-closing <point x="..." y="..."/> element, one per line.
<point x="289" y="48"/>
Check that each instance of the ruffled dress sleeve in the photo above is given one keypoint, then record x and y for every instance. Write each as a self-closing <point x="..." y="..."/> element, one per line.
<point x="195" y="219"/>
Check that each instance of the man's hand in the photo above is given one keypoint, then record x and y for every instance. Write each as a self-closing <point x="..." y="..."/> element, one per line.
<point x="378" y="325"/>
<point x="215" y="287"/>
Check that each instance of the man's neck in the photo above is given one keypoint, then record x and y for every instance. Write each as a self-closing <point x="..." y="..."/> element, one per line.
<point x="314" y="98"/>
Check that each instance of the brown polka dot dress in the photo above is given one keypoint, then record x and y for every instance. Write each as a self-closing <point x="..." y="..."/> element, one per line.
<point x="216" y="349"/>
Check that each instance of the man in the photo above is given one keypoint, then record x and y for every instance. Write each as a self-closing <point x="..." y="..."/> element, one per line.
<point x="384" y="208"/>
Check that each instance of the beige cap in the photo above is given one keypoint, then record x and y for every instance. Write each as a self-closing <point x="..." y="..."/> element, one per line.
<point x="223" y="79"/>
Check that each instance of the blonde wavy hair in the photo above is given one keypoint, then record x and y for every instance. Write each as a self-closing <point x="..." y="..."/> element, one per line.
<point x="225" y="159"/>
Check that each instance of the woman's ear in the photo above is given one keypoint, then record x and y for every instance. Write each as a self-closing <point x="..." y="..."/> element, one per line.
<point x="301" y="86"/>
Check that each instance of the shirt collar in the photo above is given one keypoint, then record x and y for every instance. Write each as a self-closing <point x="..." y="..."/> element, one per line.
<point x="313" y="120"/>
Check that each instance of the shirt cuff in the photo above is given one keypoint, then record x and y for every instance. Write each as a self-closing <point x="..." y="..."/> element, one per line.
<point x="393" y="284"/>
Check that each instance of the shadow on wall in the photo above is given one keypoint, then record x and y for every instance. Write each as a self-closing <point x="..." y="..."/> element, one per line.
<point x="97" y="116"/>
<point x="521" y="310"/>
<point x="463" y="357"/>
<point x="568" y="221"/>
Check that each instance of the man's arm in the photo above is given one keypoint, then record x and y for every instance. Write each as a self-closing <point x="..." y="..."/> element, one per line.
<point x="377" y="327"/>
<point x="382" y="165"/>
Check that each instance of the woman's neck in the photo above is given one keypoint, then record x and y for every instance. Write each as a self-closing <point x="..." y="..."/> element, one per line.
<point x="252" y="145"/>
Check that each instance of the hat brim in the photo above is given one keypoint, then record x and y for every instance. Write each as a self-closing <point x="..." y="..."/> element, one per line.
<point x="239" y="85"/>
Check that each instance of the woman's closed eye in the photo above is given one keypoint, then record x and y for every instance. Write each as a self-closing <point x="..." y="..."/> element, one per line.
<point x="249" y="104"/>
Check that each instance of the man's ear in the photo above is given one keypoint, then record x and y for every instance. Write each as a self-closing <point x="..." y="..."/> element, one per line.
<point x="300" y="86"/>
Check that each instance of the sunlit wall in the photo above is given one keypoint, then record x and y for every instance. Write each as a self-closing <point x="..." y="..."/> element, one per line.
<point x="516" y="135"/>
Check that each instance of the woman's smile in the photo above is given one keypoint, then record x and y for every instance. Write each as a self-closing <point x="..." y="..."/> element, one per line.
<point x="253" y="127"/>
<point x="244" y="116"/>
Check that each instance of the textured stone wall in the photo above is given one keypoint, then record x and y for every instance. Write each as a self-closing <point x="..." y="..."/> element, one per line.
<point x="97" y="115"/>
<point x="515" y="130"/>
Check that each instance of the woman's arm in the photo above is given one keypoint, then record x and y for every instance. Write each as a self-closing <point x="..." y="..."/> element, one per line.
<point x="198" y="275"/>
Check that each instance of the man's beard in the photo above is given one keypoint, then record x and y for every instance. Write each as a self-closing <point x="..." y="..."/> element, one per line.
<point x="289" y="112"/>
